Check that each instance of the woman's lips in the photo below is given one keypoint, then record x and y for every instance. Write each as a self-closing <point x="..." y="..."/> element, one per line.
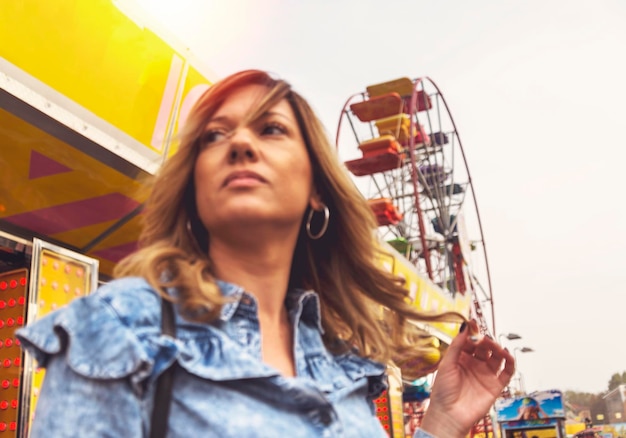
<point x="242" y="178"/>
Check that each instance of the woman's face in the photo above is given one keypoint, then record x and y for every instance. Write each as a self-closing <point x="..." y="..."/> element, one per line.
<point x="252" y="172"/>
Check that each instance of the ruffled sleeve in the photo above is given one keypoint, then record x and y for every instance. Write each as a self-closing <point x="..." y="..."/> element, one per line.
<point x="111" y="334"/>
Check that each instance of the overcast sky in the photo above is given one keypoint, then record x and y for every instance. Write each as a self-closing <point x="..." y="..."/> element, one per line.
<point x="537" y="89"/>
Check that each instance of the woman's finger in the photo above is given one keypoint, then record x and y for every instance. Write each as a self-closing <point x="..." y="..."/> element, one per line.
<point x="509" y="367"/>
<point x="495" y="362"/>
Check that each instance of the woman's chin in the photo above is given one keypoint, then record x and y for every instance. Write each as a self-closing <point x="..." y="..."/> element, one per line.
<point x="245" y="220"/>
<point x="252" y="212"/>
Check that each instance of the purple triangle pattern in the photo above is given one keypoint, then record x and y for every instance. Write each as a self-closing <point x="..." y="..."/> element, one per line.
<point x="41" y="165"/>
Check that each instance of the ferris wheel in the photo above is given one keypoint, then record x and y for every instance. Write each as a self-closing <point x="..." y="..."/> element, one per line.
<point x="408" y="161"/>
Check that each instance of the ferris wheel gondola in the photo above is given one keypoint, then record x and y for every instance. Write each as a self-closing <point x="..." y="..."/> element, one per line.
<point x="413" y="171"/>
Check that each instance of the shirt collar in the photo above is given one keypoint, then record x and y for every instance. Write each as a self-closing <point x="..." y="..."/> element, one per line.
<point x="302" y="305"/>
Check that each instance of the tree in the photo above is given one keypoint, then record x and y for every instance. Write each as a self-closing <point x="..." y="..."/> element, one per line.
<point x="616" y="380"/>
<point x="581" y="400"/>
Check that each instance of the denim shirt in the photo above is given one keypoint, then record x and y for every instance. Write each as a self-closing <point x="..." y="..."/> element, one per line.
<point x="104" y="352"/>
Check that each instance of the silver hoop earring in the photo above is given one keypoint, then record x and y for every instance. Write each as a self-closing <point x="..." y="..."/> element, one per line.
<point x="322" y="231"/>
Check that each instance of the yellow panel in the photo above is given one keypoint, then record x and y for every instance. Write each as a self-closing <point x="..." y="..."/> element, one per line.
<point x="426" y="296"/>
<point x="61" y="280"/>
<point x="100" y="58"/>
<point x="114" y="67"/>
<point x="88" y="177"/>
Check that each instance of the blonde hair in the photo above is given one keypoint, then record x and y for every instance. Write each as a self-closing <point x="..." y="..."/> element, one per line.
<point x="341" y="266"/>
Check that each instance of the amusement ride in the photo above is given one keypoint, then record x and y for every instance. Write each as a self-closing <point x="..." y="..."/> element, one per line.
<point x="414" y="173"/>
<point x="406" y="156"/>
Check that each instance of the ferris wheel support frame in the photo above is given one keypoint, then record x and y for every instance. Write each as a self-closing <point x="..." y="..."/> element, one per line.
<point x="418" y="208"/>
<point x="413" y="107"/>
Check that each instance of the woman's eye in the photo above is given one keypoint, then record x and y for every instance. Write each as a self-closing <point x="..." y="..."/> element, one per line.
<point x="213" y="136"/>
<point x="273" y="129"/>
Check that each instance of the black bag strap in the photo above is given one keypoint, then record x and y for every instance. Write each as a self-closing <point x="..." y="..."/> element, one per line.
<point x="163" y="395"/>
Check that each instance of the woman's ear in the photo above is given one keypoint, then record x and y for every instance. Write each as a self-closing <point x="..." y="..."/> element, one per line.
<point x="315" y="202"/>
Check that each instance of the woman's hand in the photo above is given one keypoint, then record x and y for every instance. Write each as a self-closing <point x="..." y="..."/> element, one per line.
<point x="472" y="374"/>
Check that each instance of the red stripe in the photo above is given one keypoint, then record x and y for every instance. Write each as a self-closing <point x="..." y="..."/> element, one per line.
<point x="66" y="217"/>
<point x="116" y="253"/>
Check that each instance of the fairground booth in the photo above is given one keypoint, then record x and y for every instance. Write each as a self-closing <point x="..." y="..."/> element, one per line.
<point x="537" y="415"/>
<point x="90" y="96"/>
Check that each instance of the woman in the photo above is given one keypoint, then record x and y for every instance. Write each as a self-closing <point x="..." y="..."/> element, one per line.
<point x="268" y="251"/>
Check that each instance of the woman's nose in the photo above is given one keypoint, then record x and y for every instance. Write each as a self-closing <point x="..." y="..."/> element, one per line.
<point x="242" y="146"/>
